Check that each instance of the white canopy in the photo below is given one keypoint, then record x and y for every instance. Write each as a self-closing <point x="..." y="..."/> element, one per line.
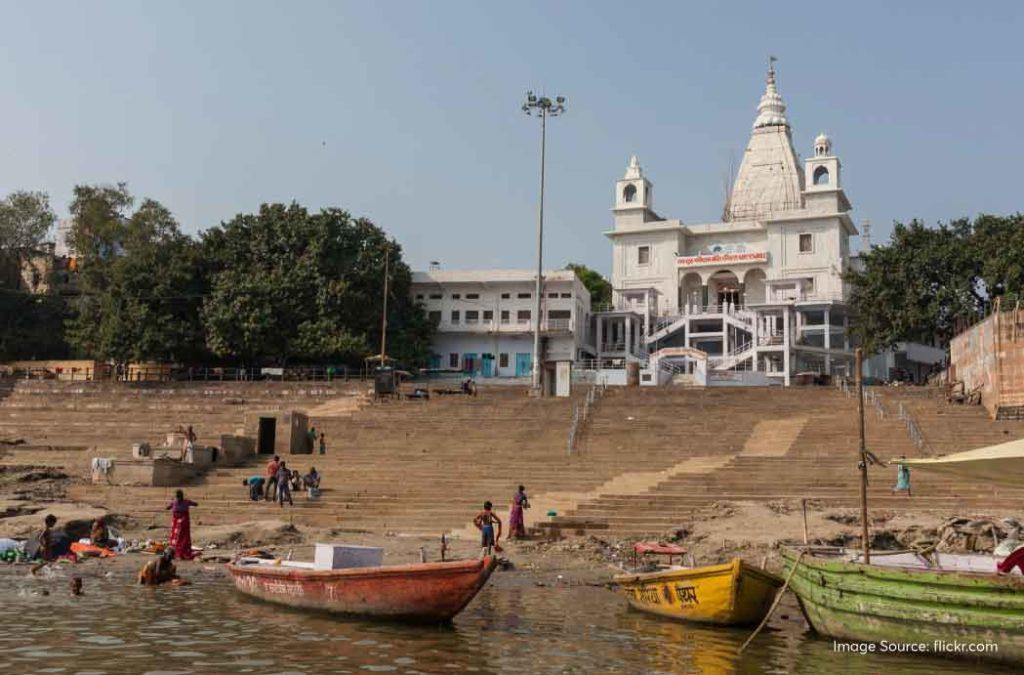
<point x="1003" y="463"/>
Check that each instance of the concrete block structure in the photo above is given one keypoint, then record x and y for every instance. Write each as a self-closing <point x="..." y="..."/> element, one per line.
<point x="989" y="357"/>
<point x="279" y="432"/>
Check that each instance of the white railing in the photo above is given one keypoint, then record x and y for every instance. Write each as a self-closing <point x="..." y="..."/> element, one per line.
<point x="582" y="412"/>
<point x="913" y="430"/>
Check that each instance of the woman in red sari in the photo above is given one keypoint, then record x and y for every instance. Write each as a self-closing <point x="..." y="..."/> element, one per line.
<point x="516" y="522"/>
<point x="181" y="530"/>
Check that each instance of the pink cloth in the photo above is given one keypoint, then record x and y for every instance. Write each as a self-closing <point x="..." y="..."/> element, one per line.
<point x="181" y="529"/>
<point x="516" y="522"/>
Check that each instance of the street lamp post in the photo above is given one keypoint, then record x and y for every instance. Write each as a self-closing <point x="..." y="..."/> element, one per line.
<point x="543" y="107"/>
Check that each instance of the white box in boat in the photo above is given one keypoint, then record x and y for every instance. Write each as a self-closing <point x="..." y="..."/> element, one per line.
<point x="342" y="556"/>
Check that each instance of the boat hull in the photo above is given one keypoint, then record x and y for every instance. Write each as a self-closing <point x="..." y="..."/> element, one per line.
<point x="939" y="611"/>
<point x="427" y="592"/>
<point x="731" y="594"/>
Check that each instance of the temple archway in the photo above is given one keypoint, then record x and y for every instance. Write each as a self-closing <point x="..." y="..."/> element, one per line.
<point x="724" y="289"/>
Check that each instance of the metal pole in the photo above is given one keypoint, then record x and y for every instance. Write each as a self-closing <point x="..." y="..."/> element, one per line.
<point x="863" y="458"/>
<point x="384" y="314"/>
<point x="540" y="259"/>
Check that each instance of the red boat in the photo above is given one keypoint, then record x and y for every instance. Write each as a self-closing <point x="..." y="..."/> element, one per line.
<point x="423" y="592"/>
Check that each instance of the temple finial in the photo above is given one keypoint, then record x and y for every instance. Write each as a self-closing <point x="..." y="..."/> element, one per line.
<point x="771" y="69"/>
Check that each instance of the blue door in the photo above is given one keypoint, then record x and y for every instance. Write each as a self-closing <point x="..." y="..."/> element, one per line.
<point x="523" y="362"/>
<point x="487" y="365"/>
<point x="470" y="363"/>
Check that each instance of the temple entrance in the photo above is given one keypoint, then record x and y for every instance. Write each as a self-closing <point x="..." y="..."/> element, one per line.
<point x="725" y="289"/>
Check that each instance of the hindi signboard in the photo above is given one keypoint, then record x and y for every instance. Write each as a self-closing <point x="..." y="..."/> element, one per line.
<point x="704" y="259"/>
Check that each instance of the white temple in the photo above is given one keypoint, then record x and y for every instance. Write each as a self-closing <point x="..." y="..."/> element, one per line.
<point x="755" y="298"/>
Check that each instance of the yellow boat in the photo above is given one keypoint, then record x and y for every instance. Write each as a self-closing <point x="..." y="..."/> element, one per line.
<point x="731" y="594"/>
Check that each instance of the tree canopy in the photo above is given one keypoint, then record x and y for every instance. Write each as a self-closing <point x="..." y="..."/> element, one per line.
<point x="289" y="285"/>
<point x="600" y="288"/>
<point x="925" y="281"/>
<point x="141" y="280"/>
<point x="25" y="218"/>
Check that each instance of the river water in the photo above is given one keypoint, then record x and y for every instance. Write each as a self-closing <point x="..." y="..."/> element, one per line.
<point x="513" y="626"/>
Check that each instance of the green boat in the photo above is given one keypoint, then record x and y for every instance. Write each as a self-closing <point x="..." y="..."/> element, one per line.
<point x="946" y="604"/>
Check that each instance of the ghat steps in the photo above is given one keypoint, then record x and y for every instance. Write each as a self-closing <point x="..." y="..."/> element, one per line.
<point x="649" y="460"/>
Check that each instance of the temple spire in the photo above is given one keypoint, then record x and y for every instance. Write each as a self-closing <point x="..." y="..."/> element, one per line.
<point x="771" y="111"/>
<point x="633" y="170"/>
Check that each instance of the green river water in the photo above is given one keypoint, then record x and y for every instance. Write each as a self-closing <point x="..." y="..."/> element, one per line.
<point x="513" y="626"/>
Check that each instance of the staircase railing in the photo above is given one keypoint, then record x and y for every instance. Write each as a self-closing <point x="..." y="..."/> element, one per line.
<point x="913" y="430"/>
<point x="581" y="413"/>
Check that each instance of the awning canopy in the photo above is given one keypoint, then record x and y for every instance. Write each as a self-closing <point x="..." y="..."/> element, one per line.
<point x="1003" y="463"/>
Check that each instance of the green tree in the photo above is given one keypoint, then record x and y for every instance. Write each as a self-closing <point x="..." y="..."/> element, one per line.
<point x="917" y="286"/>
<point x="288" y="285"/>
<point x="600" y="288"/>
<point x="25" y="218"/>
<point x="998" y="244"/>
<point x="141" y="280"/>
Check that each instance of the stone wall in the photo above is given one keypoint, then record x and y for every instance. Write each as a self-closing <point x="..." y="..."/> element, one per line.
<point x="989" y="356"/>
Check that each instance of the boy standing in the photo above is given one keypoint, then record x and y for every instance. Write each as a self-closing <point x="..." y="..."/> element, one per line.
<point x="484" y="522"/>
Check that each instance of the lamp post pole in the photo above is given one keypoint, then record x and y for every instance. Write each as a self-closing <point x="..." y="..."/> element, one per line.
<point x="543" y="107"/>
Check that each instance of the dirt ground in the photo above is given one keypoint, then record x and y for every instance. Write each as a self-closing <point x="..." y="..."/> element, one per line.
<point x="753" y="531"/>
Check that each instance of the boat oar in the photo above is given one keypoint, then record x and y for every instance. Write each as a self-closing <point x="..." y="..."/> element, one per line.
<point x="775" y="603"/>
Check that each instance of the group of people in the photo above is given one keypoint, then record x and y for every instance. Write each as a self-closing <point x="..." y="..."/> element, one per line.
<point x="278" y="483"/>
<point x="489" y="524"/>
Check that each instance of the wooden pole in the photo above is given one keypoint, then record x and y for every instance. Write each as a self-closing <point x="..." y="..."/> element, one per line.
<point x="803" y="507"/>
<point x="384" y="312"/>
<point x="863" y="458"/>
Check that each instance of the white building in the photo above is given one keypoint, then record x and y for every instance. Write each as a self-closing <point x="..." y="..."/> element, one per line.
<point x="758" y="296"/>
<point x="485" y="319"/>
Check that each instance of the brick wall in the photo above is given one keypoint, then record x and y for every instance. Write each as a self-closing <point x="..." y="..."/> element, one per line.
<point x="990" y="355"/>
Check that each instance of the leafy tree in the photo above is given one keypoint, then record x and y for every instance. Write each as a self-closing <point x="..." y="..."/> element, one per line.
<point x="998" y="244"/>
<point x="289" y="285"/>
<point x="599" y="287"/>
<point x="917" y="286"/>
<point x="32" y="327"/>
<point x="141" y="279"/>
<point x="25" y="218"/>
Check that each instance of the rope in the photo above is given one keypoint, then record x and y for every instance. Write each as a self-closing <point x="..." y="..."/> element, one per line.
<point x="775" y="603"/>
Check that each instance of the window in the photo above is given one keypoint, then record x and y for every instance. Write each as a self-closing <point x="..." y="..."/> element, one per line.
<point x="472" y="316"/>
<point x="488" y="315"/>
<point x="629" y="193"/>
<point x="435" y="296"/>
<point x="503" y="360"/>
<point x="472" y="296"/>
<point x="455" y="296"/>
<point x="525" y="296"/>
<point x="504" y="316"/>
<point x="419" y="296"/>
<point x="559" y="313"/>
<point x="553" y="296"/>
<point x="506" y="296"/>
<point x="806" y="243"/>
<point x="643" y="255"/>
<point x="455" y="316"/>
<point x="453" y="360"/>
<point x="566" y="295"/>
<point x="435" y="317"/>
<point x="523" y="316"/>
<point x="821" y="176"/>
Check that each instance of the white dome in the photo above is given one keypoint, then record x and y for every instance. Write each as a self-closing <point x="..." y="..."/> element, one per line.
<point x="822" y="139"/>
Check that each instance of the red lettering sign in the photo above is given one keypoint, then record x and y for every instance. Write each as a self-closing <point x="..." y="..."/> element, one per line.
<point x="722" y="258"/>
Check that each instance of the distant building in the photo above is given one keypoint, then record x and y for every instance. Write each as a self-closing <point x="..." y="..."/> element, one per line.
<point x="759" y="292"/>
<point x="485" y="319"/>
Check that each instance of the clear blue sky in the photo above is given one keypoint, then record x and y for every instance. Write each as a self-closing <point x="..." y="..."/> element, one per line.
<point x="408" y="112"/>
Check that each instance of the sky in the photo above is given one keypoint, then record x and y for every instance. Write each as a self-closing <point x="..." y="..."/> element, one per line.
<point x="408" y="113"/>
